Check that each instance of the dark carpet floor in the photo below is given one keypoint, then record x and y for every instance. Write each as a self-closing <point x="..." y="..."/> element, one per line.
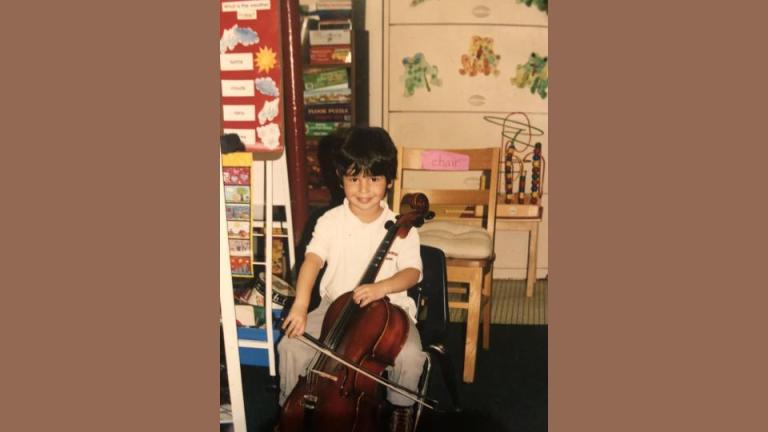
<point x="509" y="393"/>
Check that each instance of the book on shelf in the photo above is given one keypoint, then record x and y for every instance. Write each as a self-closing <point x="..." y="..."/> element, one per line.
<point x="319" y="129"/>
<point x="328" y="113"/>
<point x="333" y="3"/>
<point x="333" y="88"/>
<point x="329" y="37"/>
<point x="248" y="295"/>
<point x="325" y="14"/>
<point x="326" y="109"/>
<point x="328" y="96"/>
<point x="330" y="54"/>
<point x="333" y="9"/>
<point x="337" y="118"/>
<point x="334" y="24"/>
<point x="321" y="5"/>
<point x="324" y="79"/>
<point x="249" y="315"/>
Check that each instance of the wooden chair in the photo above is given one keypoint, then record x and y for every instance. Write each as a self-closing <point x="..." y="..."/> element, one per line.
<point x="463" y="228"/>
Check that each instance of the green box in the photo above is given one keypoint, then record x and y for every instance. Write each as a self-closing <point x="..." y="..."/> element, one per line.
<point x="326" y="78"/>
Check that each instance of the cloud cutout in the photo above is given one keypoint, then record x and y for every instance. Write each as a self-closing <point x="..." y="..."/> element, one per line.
<point x="269" y="111"/>
<point x="237" y="35"/>
<point x="269" y="135"/>
<point x="267" y="86"/>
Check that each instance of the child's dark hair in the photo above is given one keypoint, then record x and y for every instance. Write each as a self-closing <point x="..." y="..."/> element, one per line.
<point x="367" y="150"/>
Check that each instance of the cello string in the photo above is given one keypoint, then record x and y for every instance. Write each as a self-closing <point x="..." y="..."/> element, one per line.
<point x="338" y="329"/>
<point x="336" y="332"/>
<point x="358" y="368"/>
<point x="350" y="309"/>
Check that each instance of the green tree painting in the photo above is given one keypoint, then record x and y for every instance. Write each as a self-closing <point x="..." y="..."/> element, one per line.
<point x="542" y="5"/>
<point x="534" y="74"/>
<point x="419" y="73"/>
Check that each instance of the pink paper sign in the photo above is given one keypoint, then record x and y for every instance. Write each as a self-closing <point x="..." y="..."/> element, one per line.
<point x="437" y="160"/>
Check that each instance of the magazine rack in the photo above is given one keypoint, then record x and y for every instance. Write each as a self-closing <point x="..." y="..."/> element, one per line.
<point x="254" y="346"/>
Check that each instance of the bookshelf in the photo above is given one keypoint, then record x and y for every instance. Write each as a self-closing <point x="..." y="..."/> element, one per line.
<point x="335" y="78"/>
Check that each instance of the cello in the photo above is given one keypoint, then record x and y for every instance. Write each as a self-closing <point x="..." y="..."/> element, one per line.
<point x="342" y="390"/>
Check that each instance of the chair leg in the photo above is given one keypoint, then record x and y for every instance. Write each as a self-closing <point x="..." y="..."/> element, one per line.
<point x="488" y="294"/>
<point x="533" y="245"/>
<point x="449" y="373"/>
<point x="423" y="386"/>
<point x="473" y="325"/>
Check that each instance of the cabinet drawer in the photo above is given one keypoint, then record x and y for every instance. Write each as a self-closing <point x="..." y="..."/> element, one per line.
<point x="443" y="47"/>
<point x="462" y="130"/>
<point x="465" y="12"/>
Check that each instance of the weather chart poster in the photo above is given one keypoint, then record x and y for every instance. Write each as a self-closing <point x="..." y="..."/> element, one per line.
<point x="251" y="76"/>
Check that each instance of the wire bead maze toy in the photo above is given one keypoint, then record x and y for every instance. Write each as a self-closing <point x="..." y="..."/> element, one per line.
<point x="518" y="153"/>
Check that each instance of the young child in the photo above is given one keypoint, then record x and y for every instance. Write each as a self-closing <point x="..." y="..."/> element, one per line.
<point x="345" y="238"/>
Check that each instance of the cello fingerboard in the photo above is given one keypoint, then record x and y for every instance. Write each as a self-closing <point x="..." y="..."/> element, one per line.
<point x="333" y="336"/>
<point x="373" y="268"/>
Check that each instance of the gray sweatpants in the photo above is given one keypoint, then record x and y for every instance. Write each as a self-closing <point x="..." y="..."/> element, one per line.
<point x="294" y="357"/>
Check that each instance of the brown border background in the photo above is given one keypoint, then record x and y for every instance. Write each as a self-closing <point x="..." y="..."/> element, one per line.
<point x="110" y="222"/>
<point x="656" y="319"/>
<point x="112" y="216"/>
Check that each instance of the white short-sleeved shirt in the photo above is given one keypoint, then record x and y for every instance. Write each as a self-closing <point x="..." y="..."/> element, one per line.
<point x="347" y="245"/>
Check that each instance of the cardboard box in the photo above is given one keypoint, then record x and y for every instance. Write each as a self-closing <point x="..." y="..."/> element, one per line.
<point x="330" y="54"/>
<point x="329" y="37"/>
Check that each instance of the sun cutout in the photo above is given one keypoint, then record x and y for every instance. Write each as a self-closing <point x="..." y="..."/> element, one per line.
<point x="265" y="59"/>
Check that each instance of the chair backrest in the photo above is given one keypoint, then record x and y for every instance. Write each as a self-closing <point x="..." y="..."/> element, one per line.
<point x="431" y="296"/>
<point x="468" y="206"/>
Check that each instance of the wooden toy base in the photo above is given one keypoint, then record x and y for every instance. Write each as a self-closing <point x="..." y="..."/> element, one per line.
<point x="516" y="210"/>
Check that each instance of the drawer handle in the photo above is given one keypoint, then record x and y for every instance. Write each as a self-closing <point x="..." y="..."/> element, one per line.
<point x="481" y="11"/>
<point x="476" y="100"/>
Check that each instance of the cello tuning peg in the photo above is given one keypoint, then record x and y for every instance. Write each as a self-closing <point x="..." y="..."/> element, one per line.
<point x="430" y="214"/>
<point x="388" y="224"/>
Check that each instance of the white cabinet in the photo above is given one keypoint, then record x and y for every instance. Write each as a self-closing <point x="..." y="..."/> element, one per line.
<point x="507" y="12"/>
<point x="450" y="111"/>
<point x="443" y="47"/>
